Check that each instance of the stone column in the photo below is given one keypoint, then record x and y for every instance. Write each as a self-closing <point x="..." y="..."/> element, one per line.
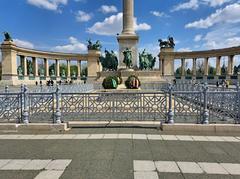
<point x="206" y="67"/>
<point x="79" y="69"/>
<point x="35" y="63"/>
<point x="68" y="69"/>
<point x="128" y="17"/>
<point x="183" y="68"/>
<point x="57" y="68"/>
<point x="194" y="68"/>
<point x="128" y="37"/>
<point x="25" y="66"/>
<point x="230" y="65"/>
<point x="218" y="66"/>
<point x="46" y="67"/>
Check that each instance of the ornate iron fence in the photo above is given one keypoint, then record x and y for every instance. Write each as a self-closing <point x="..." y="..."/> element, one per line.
<point x="194" y="105"/>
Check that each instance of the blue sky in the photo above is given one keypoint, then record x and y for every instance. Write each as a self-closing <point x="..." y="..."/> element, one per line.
<point x="65" y="25"/>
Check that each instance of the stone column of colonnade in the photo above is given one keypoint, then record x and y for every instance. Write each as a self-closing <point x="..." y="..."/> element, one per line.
<point x="68" y="69"/>
<point x="194" y="68"/>
<point x="57" y="68"/>
<point x="218" y="66"/>
<point x="230" y="65"/>
<point x="206" y="61"/>
<point x="183" y="68"/>
<point x="79" y="69"/>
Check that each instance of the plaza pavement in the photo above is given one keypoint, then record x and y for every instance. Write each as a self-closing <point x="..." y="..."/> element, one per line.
<point x="118" y="153"/>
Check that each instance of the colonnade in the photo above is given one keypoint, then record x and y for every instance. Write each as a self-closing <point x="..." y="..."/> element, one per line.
<point x="11" y="71"/>
<point x="167" y="57"/>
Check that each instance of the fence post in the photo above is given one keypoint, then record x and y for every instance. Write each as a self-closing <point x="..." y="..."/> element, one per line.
<point x="58" y="112"/>
<point x="25" y="106"/>
<point x="170" y="111"/>
<point x="205" y="105"/>
<point x="238" y="103"/>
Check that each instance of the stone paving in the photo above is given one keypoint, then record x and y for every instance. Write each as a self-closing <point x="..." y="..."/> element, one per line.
<point x="113" y="153"/>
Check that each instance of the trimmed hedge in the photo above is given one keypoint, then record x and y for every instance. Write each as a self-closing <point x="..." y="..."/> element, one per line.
<point x="133" y="82"/>
<point x="110" y="83"/>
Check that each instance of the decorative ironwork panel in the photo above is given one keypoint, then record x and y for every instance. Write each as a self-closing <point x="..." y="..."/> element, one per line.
<point x="223" y="107"/>
<point x="73" y="106"/>
<point x="154" y="106"/>
<point x="41" y="107"/>
<point x="10" y="107"/>
<point x="187" y="107"/>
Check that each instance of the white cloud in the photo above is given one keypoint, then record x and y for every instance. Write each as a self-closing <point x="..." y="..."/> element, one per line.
<point x="23" y="43"/>
<point x="222" y="37"/>
<point x="157" y="13"/>
<point x="113" y="25"/>
<point x="108" y="9"/>
<point x="82" y="16"/>
<point x="48" y="4"/>
<point x="187" y="49"/>
<point x="229" y="14"/>
<point x="192" y="4"/>
<point x="74" y="46"/>
<point x="214" y="3"/>
<point x="198" y="38"/>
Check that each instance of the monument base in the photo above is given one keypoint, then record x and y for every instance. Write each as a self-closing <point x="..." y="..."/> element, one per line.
<point x="144" y="76"/>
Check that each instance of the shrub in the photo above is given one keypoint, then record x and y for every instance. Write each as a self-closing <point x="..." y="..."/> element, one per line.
<point x="110" y="83"/>
<point x="118" y="79"/>
<point x="133" y="82"/>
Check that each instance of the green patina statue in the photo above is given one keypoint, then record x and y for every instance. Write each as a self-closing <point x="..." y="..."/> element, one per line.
<point x="52" y="72"/>
<point x="63" y="74"/>
<point x="167" y="44"/>
<point x="127" y="57"/>
<point x="7" y="36"/>
<point x="20" y="71"/>
<point x="146" y="60"/>
<point x="92" y="46"/>
<point x="109" y="62"/>
<point x="41" y="71"/>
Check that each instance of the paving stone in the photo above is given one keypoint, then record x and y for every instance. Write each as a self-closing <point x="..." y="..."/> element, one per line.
<point x="169" y="137"/>
<point x="184" y="138"/>
<point x="39" y="137"/>
<point x="54" y="137"/>
<point x="145" y="175"/>
<point x="36" y="165"/>
<point x="143" y="165"/>
<point x="81" y="136"/>
<point x="212" y="168"/>
<point x="125" y="136"/>
<point x="49" y="174"/>
<point x="10" y="137"/>
<point x="96" y="136"/>
<point x="3" y="162"/>
<point x="140" y="136"/>
<point x="15" y="164"/>
<point x="189" y="167"/>
<point x="231" y="139"/>
<point x="58" y="164"/>
<point x="25" y="137"/>
<point x="200" y="138"/>
<point x="154" y="137"/>
<point x="68" y="136"/>
<point x="215" y="138"/>
<point x="233" y="169"/>
<point x="110" y="136"/>
<point x="167" y="166"/>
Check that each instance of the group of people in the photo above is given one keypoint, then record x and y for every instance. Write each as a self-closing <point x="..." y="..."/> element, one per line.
<point x="224" y="83"/>
<point x="51" y="82"/>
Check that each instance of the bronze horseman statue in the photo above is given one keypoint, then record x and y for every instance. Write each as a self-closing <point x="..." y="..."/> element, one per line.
<point x="167" y="44"/>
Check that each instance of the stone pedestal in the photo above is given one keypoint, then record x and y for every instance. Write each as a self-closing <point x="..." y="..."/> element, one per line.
<point x="9" y="62"/>
<point x="167" y="61"/>
<point x="128" y="41"/>
<point x="93" y="64"/>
